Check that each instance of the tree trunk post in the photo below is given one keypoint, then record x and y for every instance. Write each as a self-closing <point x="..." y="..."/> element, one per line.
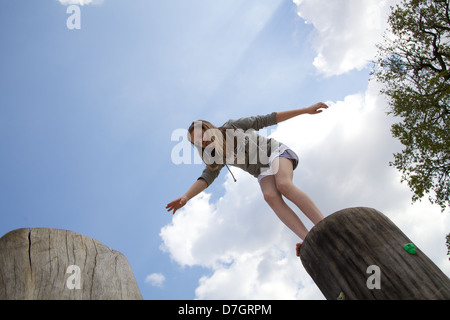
<point x="358" y="253"/>
<point x="54" y="264"/>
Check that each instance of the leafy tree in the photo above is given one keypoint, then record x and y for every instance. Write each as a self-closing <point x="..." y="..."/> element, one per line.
<point x="413" y="66"/>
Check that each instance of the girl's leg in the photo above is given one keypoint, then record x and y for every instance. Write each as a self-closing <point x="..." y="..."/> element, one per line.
<point x="283" y="211"/>
<point x="283" y="182"/>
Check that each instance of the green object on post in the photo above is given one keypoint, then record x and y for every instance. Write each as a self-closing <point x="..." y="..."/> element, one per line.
<point x="411" y="248"/>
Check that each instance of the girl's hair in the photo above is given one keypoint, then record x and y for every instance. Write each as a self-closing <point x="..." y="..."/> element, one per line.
<point x="217" y="148"/>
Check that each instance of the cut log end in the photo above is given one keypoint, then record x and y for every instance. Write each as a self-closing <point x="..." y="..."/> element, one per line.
<point x="358" y="253"/>
<point x="54" y="264"/>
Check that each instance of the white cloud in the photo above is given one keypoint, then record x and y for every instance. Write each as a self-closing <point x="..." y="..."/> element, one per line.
<point x="155" y="279"/>
<point x="344" y="155"/>
<point x="251" y="253"/>
<point x="346" y="31"/>
<point x="80" y="2"/>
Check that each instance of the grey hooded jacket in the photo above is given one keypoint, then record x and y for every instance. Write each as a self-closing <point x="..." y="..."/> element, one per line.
<point x="254" y="152"/>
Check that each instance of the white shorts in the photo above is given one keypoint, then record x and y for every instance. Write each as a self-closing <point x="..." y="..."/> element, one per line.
<point x="281" y="152"/>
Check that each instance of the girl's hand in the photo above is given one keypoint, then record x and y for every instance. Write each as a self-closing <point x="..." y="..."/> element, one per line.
<point x="315" y="108"/>
<point x="176" y="204"/>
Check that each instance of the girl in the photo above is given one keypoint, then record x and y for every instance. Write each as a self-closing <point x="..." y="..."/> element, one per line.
<point x="273" y="163"/>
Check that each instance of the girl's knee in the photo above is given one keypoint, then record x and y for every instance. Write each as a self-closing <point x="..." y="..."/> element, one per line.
<point x="272" y="197"/>
<point x="284" y="186"/>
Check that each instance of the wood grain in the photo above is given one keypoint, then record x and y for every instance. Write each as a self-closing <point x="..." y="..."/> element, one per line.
<point x="34" y="265"/>
<point x="338" y="251"/>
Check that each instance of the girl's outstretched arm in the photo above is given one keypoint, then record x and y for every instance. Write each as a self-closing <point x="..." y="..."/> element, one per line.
<point x="194" y="190"/>
<point x="314" y="109"/>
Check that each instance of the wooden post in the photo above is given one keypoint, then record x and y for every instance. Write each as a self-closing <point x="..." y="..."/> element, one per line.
<point x="54" y="264"/>
<point x="358" y="253"/>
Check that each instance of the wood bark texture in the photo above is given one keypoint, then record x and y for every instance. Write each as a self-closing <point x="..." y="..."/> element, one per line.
<point x="54" y="264"/>
<point x="339" y="250"/>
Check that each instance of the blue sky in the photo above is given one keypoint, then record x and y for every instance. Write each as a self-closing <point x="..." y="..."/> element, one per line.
<point x="86" y="118"/>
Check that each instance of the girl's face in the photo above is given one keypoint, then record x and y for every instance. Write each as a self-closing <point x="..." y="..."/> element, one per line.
<point x="197" y="137"/>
